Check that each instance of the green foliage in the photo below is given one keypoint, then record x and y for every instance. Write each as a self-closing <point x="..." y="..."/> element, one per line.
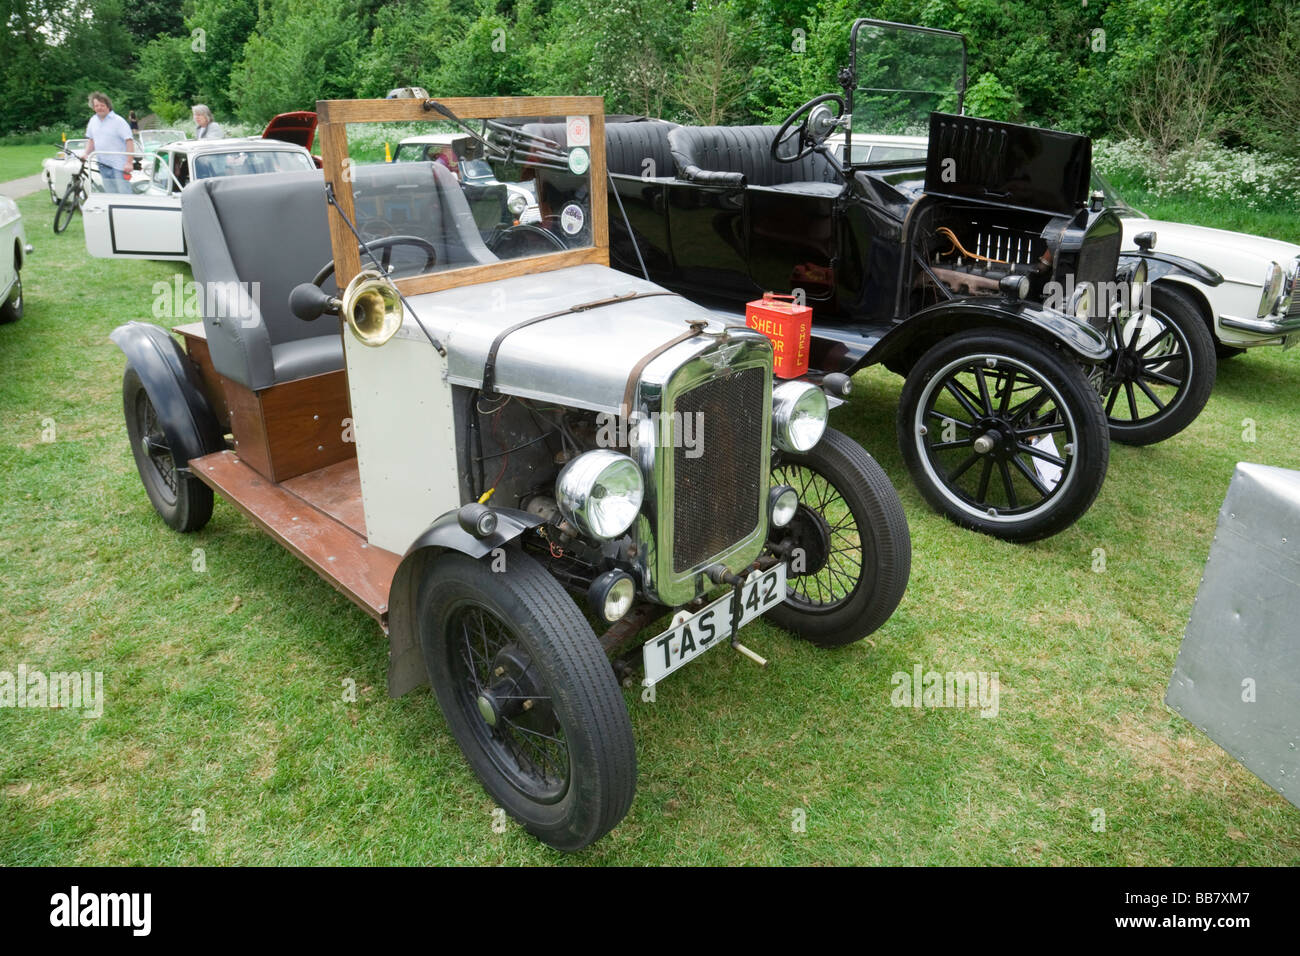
<point x="1174" y="72"/>
<point x="987" y="97"/>
<point x="301" y="51"/>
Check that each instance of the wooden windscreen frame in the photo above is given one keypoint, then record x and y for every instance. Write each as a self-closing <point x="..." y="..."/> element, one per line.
<point x="335" y="115"/>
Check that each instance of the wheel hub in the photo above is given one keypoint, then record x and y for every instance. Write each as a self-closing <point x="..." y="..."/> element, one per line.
<point x="995" y="437"/>
<point x="513" y="688"/>
<point x="813" y="536"/>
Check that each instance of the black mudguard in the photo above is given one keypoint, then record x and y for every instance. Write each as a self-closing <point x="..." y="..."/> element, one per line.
<point x="406" y="668"/>
<point x="174" y="388"/>
<point x="927" y="326"/>
<point x="1160" y="265"/>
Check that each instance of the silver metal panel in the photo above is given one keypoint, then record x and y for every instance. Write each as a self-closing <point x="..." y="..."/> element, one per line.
<point x="1238" y="671"/>
<point x="581" y="360"/>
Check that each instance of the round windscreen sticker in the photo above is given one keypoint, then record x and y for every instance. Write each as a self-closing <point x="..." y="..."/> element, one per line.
<point x="578" y="161"/>
<point x="572" y="219"/>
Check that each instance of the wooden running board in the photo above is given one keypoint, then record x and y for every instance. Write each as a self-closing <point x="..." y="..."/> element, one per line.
<point x="362" y="572"/>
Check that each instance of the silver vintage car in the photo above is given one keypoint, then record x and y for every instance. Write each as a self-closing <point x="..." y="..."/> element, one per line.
<point x="539" y="475"/>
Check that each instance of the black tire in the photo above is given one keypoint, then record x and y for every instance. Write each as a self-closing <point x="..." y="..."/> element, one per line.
<point x="181" y="500"/>
<point x="1162" y="370"/>
<point x="559" y="755"/>
<point x="11" y="310"/>
<point x="853" y="539"/>
<point x="945" y="414"/>
<point x="68" y="205"/>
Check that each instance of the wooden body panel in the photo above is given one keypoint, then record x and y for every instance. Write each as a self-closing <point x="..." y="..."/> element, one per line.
<point x="335" y="551"/>
<point x="283" y="431"/>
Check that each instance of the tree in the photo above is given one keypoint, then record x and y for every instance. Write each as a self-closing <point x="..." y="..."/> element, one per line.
<point x="302" y="51"/>
<point x="711" y="76"/>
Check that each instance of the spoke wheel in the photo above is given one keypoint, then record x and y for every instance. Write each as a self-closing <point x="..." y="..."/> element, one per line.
<point x="1003" y="435"/>
<point x="70" y="203"/>
<point x="529" y="696"/>
<point x="180" y="499"/>
<point x="1161" y="372"/>
<point x="853" y="551"/>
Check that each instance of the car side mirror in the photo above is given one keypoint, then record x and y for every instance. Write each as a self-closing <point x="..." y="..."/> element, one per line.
<point x="309" y="301"/>
<point x="1146" y="241"/>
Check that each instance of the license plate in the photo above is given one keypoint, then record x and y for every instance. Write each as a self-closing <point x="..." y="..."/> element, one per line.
<point x="709" y="627"/>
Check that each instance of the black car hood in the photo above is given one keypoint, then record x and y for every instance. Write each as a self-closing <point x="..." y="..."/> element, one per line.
<point x="1042" y="169"/>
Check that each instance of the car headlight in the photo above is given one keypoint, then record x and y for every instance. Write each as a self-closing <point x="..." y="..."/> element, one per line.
<point x="516" y="204"/>
<point x="1137" y="286"/>
<point x="1081" y="302"/>
<point x="600" y="492"/>
<point x="799" y="415"/>
<point x="1273" y="276"/>
<point x="782" y="503"/>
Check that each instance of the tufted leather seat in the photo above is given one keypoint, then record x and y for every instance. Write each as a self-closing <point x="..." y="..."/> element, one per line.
<point x="272" y="230"/>
<point x="741" y="155"/>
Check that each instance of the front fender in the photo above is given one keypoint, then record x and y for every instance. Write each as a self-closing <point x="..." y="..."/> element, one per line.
<point x="1160" y="264"/>
<point x="1022" y="318"/>
<point x="173" y="386"/>
<point x="406" y="668"/>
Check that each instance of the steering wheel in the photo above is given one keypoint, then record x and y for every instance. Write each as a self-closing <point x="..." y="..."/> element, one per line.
<point x="386" y="245"/>
<point x="808" y="140"/>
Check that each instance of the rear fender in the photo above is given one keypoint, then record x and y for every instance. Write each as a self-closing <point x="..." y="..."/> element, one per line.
<point x="924" y="328"/>
<point x="173" y="386"/>
<point x="406" y="667"/>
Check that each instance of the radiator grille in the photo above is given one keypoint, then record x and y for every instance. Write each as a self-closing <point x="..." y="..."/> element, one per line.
<point x="716" y="493"/>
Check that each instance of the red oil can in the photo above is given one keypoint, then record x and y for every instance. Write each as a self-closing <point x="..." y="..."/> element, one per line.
<point x="789" y="325"/>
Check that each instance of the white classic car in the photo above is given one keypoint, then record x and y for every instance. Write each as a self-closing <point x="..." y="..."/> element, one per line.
<point x="57" y="171"/>
<point x="13" y="254"/>
<point x="460" y="153"/>
<point x="146" y="224"/>
<point x="1242" y="286"/>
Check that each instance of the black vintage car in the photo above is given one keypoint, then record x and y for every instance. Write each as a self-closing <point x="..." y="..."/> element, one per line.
<point x="990" y="278"/>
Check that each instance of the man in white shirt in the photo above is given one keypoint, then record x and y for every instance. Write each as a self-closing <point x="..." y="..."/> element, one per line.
<point x="109" y="134"/>
<point x="208" y="128"/>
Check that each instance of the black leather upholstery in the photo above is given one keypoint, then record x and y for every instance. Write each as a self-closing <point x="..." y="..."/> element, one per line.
<point x="741" y="155"/>
<point x="272" y="230"/>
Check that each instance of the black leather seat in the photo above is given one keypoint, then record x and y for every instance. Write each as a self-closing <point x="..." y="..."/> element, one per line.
<point x="741" y="156"/>
<point x="265" y="234"/>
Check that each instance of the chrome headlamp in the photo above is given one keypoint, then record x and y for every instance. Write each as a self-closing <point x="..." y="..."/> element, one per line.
<point x="782" y="503"/>
<point x="600" y="492"/>
<point x="799" y="415"/>
<point x="1273" y="277"/>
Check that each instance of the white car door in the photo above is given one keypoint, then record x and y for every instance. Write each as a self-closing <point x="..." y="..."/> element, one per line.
<point x="138" y="225"/>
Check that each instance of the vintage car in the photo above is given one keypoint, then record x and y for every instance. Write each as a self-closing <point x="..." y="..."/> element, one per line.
<point x="463" y="156"/>
<point x="146" y="223"/>
<point x="57" y="171"/>
<point x="527" y="471"/>
<point x="989" y="279"/>
<point x="1240" y="286"/>
<point x="13" y="255"/>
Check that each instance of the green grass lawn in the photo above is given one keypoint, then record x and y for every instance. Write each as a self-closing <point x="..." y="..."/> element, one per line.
<point x="19" y="161"/>
<point x="226" y="738"/>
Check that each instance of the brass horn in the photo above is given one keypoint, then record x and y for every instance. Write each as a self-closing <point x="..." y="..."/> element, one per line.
<point x="372" y="308"/>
